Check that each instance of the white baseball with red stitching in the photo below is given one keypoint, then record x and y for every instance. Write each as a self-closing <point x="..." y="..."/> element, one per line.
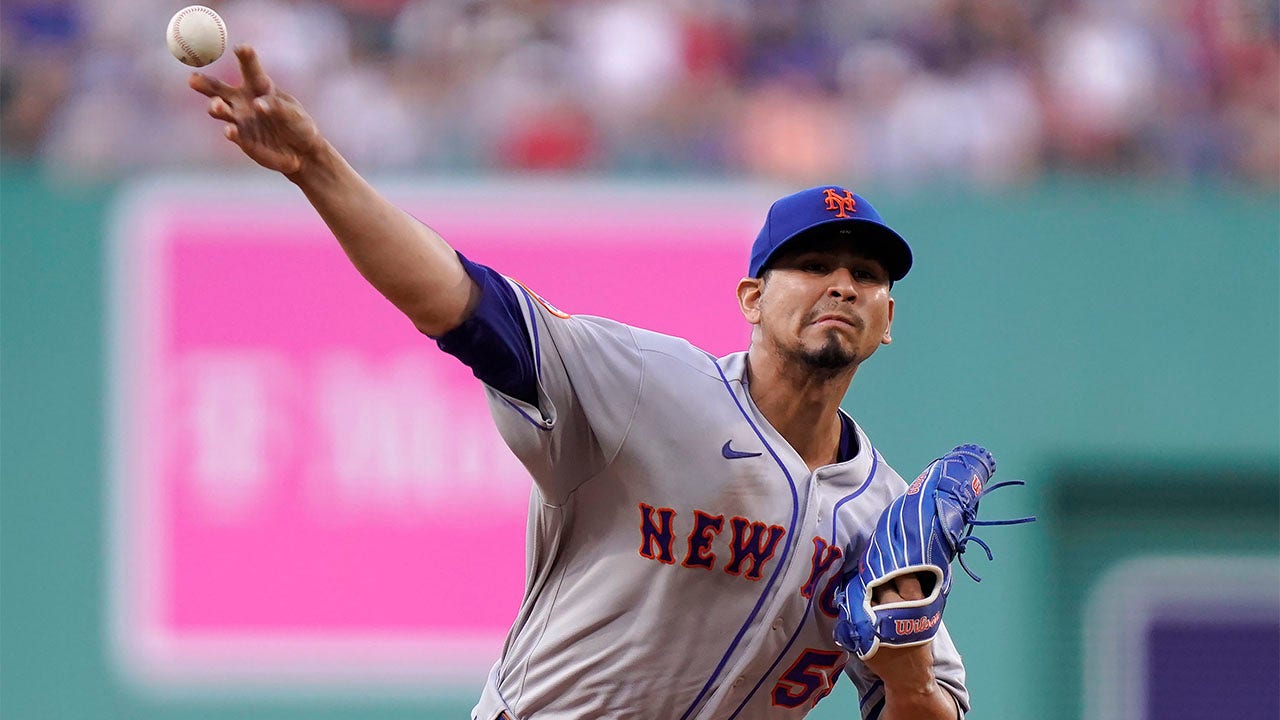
<point x="196" y="35"/>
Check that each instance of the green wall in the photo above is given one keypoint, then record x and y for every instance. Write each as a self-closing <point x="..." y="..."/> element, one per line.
<point x="1091" y="333"/>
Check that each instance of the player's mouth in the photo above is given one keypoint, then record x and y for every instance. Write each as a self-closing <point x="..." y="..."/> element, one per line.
<point x="837" y="320"/>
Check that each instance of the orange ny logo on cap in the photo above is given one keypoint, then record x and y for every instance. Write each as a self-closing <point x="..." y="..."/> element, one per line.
<point x="839" y="204"/>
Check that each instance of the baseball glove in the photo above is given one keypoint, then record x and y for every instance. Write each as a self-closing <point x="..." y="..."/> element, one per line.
<point x="920" y="532"/>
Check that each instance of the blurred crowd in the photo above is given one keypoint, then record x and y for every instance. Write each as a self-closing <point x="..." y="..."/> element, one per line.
<point x="989" y="92"/>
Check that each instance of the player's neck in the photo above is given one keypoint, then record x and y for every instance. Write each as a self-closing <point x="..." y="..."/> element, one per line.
<point x="801" y="406"/>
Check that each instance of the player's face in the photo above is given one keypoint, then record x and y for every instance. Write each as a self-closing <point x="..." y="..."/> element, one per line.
<point x="822" y="304"/>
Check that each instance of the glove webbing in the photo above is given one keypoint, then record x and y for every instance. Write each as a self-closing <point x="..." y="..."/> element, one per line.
<point x="970" y="515"/>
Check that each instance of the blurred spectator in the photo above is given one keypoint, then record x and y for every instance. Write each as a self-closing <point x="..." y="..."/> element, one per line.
<point x="36" y="40"/>
<point x="1100" y="84"/>
<point x="789" y="128"/>
<point x="992" y="92"/>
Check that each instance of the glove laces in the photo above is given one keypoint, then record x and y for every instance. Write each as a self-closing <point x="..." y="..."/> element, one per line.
<point x="970" y="515"/>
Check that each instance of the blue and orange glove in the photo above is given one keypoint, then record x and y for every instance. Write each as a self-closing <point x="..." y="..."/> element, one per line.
<point x="919" y="533"/>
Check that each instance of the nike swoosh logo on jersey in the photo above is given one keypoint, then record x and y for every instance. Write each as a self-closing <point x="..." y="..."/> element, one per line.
<point x="732" y="454"/>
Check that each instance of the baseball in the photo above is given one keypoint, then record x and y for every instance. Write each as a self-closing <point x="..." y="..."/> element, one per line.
<point x="196" y="35"/>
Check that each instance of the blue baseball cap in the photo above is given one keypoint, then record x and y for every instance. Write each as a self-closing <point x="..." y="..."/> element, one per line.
<point x="829" y="210"/>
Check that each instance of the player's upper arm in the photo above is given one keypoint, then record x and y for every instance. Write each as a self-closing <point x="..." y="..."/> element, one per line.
<point x="588" y="377"/>
<point x="494" y="340"/>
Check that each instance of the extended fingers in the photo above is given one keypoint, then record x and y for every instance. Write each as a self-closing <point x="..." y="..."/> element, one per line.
<point x="210" y="87"/>
<point x="221" y="110"/>
<point x="249" y="117"/>
<point x="255" y="78"/>
<point x="264" y="107"/>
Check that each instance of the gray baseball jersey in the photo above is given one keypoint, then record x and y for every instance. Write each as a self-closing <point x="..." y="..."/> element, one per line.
<point x="681" y="557"/>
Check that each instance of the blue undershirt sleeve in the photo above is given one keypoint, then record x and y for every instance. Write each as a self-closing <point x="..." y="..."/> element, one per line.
<point x="494" y="341"/>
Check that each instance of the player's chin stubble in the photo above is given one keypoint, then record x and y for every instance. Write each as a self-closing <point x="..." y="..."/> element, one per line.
<point x="831" y="358"/>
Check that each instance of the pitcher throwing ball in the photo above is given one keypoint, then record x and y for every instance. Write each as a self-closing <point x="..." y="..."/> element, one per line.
<point x="694" y="518"/>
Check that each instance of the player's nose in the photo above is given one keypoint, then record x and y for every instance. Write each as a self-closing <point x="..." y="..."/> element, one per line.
<point x="841" y="284"/>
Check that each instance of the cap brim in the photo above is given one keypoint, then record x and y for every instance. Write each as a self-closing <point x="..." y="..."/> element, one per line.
<point x="876" y="239"/>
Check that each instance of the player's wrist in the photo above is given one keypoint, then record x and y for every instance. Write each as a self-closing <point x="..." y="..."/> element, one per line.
<point x="318" y="165"/>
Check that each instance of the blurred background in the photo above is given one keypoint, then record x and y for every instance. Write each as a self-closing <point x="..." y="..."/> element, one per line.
<point x="1092" y="189"/>
<point x="987" y="93"/>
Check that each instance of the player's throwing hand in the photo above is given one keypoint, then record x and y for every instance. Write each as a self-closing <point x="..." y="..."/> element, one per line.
<point x="269" y="125"/>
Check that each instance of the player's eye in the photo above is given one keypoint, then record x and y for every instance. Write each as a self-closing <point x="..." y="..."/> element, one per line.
<point x="814" y="266"/>
<point x="868" y="275"/>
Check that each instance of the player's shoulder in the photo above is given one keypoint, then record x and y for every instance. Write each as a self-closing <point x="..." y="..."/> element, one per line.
<point x="587" y="329"/>
<point x="673" y="351"/>
<point x="660" y="350"/>
<point x="657" y="349"/>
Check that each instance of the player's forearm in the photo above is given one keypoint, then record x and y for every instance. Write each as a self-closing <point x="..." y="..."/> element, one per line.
<point x="406" y="261"/>
<point x="911" y="689"/>
<point x="912" y="701"/>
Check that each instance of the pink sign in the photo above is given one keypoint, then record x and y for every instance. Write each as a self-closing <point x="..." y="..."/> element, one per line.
<point x="306" y="489"/>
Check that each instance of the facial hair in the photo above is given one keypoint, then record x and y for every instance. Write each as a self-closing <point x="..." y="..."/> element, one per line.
<point x="826" y="361"/>
<point x="830" y="359"/>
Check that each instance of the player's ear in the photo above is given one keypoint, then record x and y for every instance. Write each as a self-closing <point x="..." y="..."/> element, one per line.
<point x="749" y="292"/>
<point x="888" y="335"/>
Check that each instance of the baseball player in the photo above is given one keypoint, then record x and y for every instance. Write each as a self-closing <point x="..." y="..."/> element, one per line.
<point x="692" y="518"/>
